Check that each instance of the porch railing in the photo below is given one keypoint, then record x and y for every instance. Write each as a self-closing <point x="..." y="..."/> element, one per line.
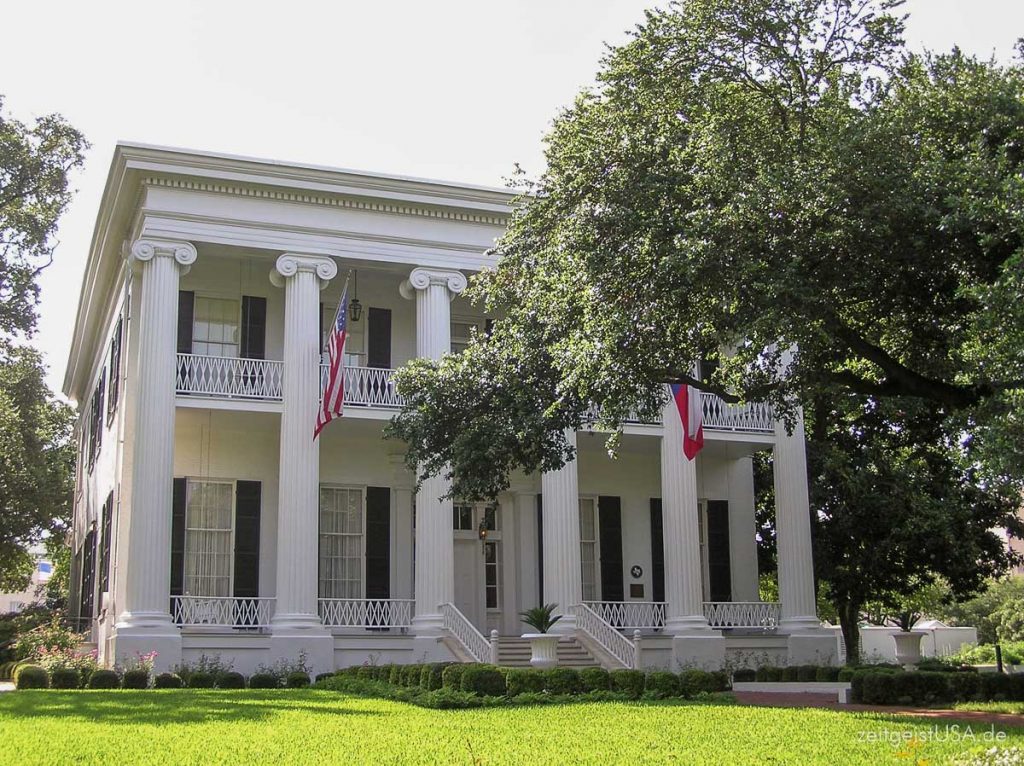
<point x="222" y="611"/>
<point x="630" y="615"/>
<point x="743" y="614"/>
<point x="366" y="613"/>
<point x="472" y="640"/>
<point x="719" y="416"/>
<point x="229" y="377"/>
<point x="367" y="386"/>
<point x="606" y="636"/>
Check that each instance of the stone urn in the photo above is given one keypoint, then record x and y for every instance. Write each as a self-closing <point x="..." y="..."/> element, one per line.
<point x="543" y="649"/>
<point x="908" y="647"/>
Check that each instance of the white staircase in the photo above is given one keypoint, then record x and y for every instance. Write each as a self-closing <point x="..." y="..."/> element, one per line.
<point x="514" y="652"/>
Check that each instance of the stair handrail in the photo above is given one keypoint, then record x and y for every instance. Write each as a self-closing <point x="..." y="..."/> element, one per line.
<point x="465" y="632"/>
<point x="597" y="629"/>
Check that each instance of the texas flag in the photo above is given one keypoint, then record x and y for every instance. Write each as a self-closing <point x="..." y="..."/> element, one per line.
<point x="691" y="414"/>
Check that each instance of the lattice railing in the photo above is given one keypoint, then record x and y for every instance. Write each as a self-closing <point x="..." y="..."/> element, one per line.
<point x="719" y="416"/>
<point x="367" y="386"/>
<point x="366" y="613"/>
<point x="623" y="615"/>
<point x="606" y="636"/>
<point x="472" y="640"/>
<point x="229" y="377"/>
<point x="743" y="614"/>
<point x="227" y="611"/>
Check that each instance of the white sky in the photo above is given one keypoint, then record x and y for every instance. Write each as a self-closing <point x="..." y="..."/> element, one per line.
<point x="452" y="89"/>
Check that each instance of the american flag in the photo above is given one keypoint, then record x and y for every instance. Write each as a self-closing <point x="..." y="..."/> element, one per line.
<point x="687" y="399"/>
<point x="334" y="391"/>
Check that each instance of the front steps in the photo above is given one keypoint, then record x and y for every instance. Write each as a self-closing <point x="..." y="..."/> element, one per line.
<point x="514" y="652"/>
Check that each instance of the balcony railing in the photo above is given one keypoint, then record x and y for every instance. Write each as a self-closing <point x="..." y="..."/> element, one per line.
<point x="222" y="612"/>
<point x="261" y="379"/>
<point x="743" y="614"/>
<point x="631" y="615"/>
<point x="366" y="613"/>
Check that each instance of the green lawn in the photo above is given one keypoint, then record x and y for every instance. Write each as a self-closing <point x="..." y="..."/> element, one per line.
<point x="320" y="727"/>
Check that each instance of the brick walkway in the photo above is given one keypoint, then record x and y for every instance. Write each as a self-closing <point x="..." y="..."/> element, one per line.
<point x="798" y="699"/>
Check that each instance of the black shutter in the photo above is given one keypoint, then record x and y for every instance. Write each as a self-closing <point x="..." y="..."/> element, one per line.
<point x="85" y="608"/>
<point x="657" y="551"/>
<point x="378" y="351"/>
<point x="248" y="496"/>
<point x="719" y="573"/>
<point x="540" y="549"/>
<point x="186" y="307"/>
<point x="105" y="523"/>
<point x="378" y="542"/>
<point x="178" y="538"/>
<point x="254" y="327"/>
<point x="609" y="510"/>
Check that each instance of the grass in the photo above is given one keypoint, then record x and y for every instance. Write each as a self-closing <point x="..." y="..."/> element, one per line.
<point x="319" y="727"/>
<point x="1015" y="708"/>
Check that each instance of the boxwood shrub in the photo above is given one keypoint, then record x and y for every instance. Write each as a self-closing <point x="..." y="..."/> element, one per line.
<point x="367" y="672"/>
<point x="430" y="676"/>
<point x="846" y="673"/>
<point x="65" y="678"/>
<point x="628" y="682"/>
<point x="790" y="673"/>
<point x="451" y="676"/>
<point x="563" y="681"/>
<point x="31" y="677"/>
<point x="694" y="682"/>
<point x="230" y="679"/>
<point x="661" y="684"/>
<point x="200" y="679"/>
<point x="297" y="679"/>
<point x="524" y="681"/>
<point x="136" y="678"/>
<point x="168" y="681"/>
<point x="264" y="681"/>
<point x="104" y="679"/>
<point x="595" y="680"/>
<point x="411" y="674"/>
<point x="744" y="675"/>
<point x="323" y="677"/>
<point x="806" y="673"/>
<point x="769" y="673"/>
<point x="484" y="681"/>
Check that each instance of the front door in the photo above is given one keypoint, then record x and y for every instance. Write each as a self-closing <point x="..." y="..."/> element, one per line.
<point x="469" y="591"/>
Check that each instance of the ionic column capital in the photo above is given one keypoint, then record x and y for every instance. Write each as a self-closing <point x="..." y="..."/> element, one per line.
<point x="290" y="264"/>
<point x="144" y="250"/>
<point x="422" y="278"/>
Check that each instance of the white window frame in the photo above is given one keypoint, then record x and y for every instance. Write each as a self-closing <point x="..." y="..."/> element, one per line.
<point x="211" y="296"/>
<point x="362" y="535"/>
<point x="596" y="542"/>
<point x="189" y="483"/>
<point x="480" y="323"/>
<point x="496" y="565"/>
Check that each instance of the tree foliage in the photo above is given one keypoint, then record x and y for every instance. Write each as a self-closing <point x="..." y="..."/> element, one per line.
<point x="748" y="176"/>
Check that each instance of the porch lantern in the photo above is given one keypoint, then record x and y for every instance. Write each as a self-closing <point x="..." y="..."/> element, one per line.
<point x="355" y="309"/>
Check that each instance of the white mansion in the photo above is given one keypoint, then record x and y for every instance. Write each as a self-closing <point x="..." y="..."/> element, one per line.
<point x="208" y="521"/>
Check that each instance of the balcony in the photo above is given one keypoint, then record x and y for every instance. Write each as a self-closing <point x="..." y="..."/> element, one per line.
<point x="261" y="380"/>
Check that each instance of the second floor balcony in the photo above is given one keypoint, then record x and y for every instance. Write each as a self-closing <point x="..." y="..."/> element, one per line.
<point x="231" y="378"/>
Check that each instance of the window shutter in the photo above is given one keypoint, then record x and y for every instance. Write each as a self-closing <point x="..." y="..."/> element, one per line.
<point x="248" y="496"/>
<point x="378" y="351"/>
<point x="540" y="549"/>
<point x="178" y="538"/>
<point x="657" y="551"/>
<point x="378" y="542"/>
<point x="105" y="522"/>
<point x="609" y="510"/>
<point x="88" y="576"/>
<point x="719" y="572"/>
<point x="186" y="308"/>
<point x="254" y="327"/>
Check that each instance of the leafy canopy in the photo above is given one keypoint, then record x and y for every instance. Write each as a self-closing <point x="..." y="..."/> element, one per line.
<point x="748" y="176"/>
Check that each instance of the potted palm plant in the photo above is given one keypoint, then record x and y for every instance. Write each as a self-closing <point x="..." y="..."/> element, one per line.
<point x="543" y="645"/>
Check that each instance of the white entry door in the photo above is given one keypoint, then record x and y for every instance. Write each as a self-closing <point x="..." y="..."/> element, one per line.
<point x="469" y="585"/>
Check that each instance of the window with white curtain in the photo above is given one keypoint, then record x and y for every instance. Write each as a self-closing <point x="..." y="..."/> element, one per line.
<point x="209" y="533"/>
<point x="341" y="542"/>
<point x="588" y="547"/>
<point x="215" y="327"/>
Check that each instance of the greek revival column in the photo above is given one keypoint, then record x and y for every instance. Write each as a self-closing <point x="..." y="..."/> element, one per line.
<point x="793" y="529"/>
<point x="433" y="290"/>
<point x="145" y="624"/>
<point x="302" y="276"/>
<point x="563" y="577"/>
<point x="681" y="531"/>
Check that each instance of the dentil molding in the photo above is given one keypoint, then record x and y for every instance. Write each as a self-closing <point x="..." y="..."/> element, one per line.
<point x="290" y="264"/>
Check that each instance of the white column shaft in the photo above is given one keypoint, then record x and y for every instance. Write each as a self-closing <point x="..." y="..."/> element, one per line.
<point x="563" y="579"/>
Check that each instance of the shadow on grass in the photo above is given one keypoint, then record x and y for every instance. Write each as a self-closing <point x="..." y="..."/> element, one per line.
<point x="160" y="707"/>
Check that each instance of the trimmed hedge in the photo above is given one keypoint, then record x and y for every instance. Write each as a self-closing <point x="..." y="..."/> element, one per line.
<point x="65" y="678"/>
<point x="744" y="675"/>
<point x="230" y="679"/>
<point x="694" y="682"/>
<point x="411" y="674"/>
<point x="200" y="679"/>
<point x="595" y="680"/>
<point x="875" y="687"/>
<point x="524" y="681"/>
<point x="484" y="681"/>
<point x="264" y="681"/>
<point x="168" y="681"/>
<point x="769" y="674"/>
<point x="628" y="682"/>
<point x="137" y="678"/>
<point x="827" y="673"/>
<point x="451" y="676"/>
<point x="298" y="679"/>
<point x="562" y="681"/>
<point x="430" y="676"/>
<point x="31" y="677"/>
<point x="661" y="684"/>
<point x="104" y="679"/>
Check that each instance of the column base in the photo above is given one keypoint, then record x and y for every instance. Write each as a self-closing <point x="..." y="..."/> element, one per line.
<point x="293" y="638"/>
<point x="138" y="633"/>
<point x="432" y="649"/>
<point x="564" y="627"/>
<point x="689" y="625"/>
<point x="428" y="625"/>
<point x="703" y="652"/>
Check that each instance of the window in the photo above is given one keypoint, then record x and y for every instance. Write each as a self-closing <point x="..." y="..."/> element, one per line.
<point x="105" y="526"/>
<point x="215" y="327"/>
<point x="88" y="579"/>
<point x="462" y="518"/>
<point x="462" y="330"/>
<point x="209" y="513"/>
<point x="588" y="547"/>
<point x="492" y="571"/>
<point x="115" y="370"/>
<point x="341" y="542"/>
<point x="96" y="420"/>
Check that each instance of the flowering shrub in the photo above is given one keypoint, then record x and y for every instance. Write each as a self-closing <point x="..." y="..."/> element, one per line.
<point x="139" y="662"/>
<point x="49" y="636"/>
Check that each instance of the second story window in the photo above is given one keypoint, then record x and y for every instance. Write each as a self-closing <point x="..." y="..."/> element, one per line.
<point x="462" y="330"/>
<point x="215" y="327"/>
<point x="96" y="420"/>
<point x="114" y="392"/>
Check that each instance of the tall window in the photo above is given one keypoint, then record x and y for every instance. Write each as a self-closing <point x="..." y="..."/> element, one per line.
<point x="492" y="570"/>
<point x="209" y="513"/>
<point x="588" y="547"/>
<point x="462" y="331"/>
<point x="215" y="327"/>
<point x="113" y="395"/>
<point x="341" y="542"/>
<point x="105" y="528"/>
<point x="96" y="419"/>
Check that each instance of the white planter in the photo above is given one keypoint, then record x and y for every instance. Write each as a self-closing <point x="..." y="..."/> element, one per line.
<point x="908" y="647"/>
<point x="544" y="649"/>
